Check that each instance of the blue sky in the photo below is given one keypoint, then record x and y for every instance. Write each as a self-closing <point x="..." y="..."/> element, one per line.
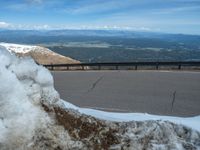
<point x="171" y="16"/>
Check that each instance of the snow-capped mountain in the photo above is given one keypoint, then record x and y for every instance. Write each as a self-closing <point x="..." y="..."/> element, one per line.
<point x="40" y="54"/>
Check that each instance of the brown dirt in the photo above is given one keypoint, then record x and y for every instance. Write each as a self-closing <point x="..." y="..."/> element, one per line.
<point x="92" y="132"/>
<point x="103" y="135"/>
<point x="49" y="58"/>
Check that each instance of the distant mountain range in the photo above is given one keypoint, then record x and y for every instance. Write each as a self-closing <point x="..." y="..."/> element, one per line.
<point x="100" y="33"/>
<point x="63" y="36"/>
<point x="110" y="45"/>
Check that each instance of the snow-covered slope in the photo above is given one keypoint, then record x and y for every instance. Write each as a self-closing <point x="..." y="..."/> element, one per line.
<point x="18" y="48"/>
<point x="40" y="54"/>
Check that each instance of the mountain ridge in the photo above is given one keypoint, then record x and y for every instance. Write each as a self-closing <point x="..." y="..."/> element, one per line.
<point x="40" y="54"/>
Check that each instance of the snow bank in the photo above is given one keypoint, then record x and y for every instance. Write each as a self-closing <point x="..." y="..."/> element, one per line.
<point x="20" y="113"/>
<point x="192" y="122"/>
<point x="23" y="85"/>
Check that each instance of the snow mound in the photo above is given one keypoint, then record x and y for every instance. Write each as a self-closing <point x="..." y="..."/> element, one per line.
<point x="23" y="86"/>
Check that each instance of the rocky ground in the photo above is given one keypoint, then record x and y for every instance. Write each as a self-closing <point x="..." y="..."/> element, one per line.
<point x="101" y="134"/>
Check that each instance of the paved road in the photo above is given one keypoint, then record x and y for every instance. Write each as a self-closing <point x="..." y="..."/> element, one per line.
<point x="165" y="93"/>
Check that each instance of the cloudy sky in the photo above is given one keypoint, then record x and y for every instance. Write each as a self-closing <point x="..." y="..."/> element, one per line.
<point x="171" y="16"/>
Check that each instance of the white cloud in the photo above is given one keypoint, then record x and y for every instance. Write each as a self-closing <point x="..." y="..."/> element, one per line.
<point x="29" y="27"/>
<point x="41" y="27"/>
<point x="35" y="1"/>
<point x="4" y="25"/>
<point x="176" y="10"/>
<point x="95" y="26"/>
<point x="26" y="5"/>
<point x="97" y="6"/>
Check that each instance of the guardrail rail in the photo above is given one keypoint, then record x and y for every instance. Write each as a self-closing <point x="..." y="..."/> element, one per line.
<point x="127" y="65"/>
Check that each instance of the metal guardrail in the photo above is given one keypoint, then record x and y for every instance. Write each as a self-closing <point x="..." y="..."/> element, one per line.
<point x="116" y="65"/>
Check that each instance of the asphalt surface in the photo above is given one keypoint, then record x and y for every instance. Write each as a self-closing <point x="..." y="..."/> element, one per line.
<point x="156" y="92"/>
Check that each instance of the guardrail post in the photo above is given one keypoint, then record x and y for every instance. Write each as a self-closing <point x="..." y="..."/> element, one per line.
<point x="67" y="67"/>
<point x="136" y="67"/>
<point x="179" y="66"/>
<point x="83" y="68"/>
<point x="99" y="67"/>
<point x="52" y="67"/>
<point x="116" y="67"/>
<point x="157" y="66"/>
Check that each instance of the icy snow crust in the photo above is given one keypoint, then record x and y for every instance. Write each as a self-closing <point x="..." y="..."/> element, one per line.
<point x="24" y="125"/>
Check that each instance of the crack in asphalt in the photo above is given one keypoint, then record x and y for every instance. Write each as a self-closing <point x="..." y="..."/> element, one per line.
<point x="95" y="84"/>
<point x="173" y="100"/>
